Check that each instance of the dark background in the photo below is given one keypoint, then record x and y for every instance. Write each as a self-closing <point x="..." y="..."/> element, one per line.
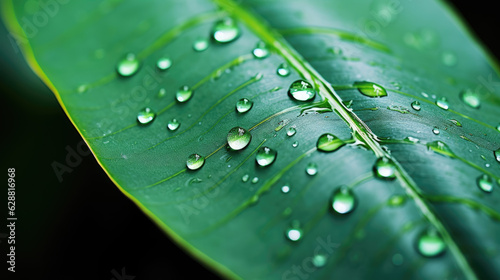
<point x="84" y="227"/>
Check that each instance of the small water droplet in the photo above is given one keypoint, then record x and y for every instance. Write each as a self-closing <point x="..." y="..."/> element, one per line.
<point x="183" y="94"/>
<point x="285" y="189"/>
<point x="436" y="131"/>
<point x="485" y="183"/>
<point x="397" y="200"/>
<point x="343" y="200"/>
<point x="302" y="91"/>
<point x="470" y="98"/>
<point x="195" y="162"/>
<point x="425" y="95"/>
<point x="265" y="156"/>
<point x="245" y="178"/>
<point x="440" y="148"/>
<point x="243" y="105"/>
<point x="370" y="89"/>
<point x="411" y="139"/>
<point x="161" y="93"/>
<point x="291" y="131"/>
<point x="255" y="180"/>
<point x="312" y="169"/>
<point x="496" y="154"/>
<point x="329" y="143"/>
<point x="283" y="70"/>
<point x="200" y="44"/>
<point x="397" y="259"/>
<point x="225" y="31"/>
<point x="442" y="103"/>
<point x="238" y="138"/>
<point x="260" y="50"/>
<point x="295" y="144"/>
<point x="173" y="124"/>
<point x="164" y="63"/>
<point x="82" y="88"/>
<point x="384" y="168"/>
<point x="294" y="233"/>
<point x="319" y="260"/>
<point x="128" y="66"/>
<point x="430" y="244"/>
<point x="146" y="116"/>
<point x="449" y="58"/>
<point x="416" y="105"/>
<point x="455" y="122"/>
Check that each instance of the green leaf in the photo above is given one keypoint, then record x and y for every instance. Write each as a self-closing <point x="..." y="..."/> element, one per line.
<point x="383" y="197"/>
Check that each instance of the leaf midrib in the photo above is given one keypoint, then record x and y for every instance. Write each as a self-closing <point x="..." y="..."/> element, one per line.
<point x="306" y="71"/>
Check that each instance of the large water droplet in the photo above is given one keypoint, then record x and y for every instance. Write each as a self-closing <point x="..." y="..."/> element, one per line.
<point x="442" y="103"/>
<point x="312" y="169"/>
<point x="200" y="44"/>
<point x="291" y="131"/>
<point x="260" y="50"/>
<point x="265" y="156"/>
<point x="430" y="244"/>
<point x="183" y="94"/>
<point x="496" y="154"/>
<point x="195" y="161"/>
<point x="435" y="130"/>
<point x="470" y="98"/>
<point x="455" y="122"/>
<point x="283" y="70"/>
<point x="485" y="183"/>
<point x="146" y="116"/>
<point x="225" y="31"/>
<point x="301" y="90"/>
<point x="416" y="105"/>
<point x="164" y="63"/>
<point x="238" y="138"/>
<point x="319" y="260"/>
<point x="329" y="143"/>
<point x="128" y="66"/>
<point x="370" y="89"/>
<point x="384" y="168"/>
<point x="243" y="105"/>
<point x="285" y="189"/>
<point x="173" y="124"/>
<point x="343" y="200"/>
<point x="161" y="93"/>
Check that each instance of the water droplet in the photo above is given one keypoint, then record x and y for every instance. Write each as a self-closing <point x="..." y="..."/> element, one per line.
<point x="285" y="189"/>
<point x="265" y="156"/>
<point x="128" y="66"/>
<point x="195" y="161"/>
<point x="329" y="143"/>
<point x="470" y="98"/>
<point x="245" y="178"/>
<point x="295" y="144"/>
<point x="319" y="260"/>
<point x="430" y="244"/>
<point x="200" y="44"/>
<point x="397" y="200"/>
<point x="496" y="154"/>
<point x="411" y="139"/>
<point x="238" y="138"/>
<point x="397" y="259"/>
<point x="396" y="85"/>
<point x="498" y="127"/>
<point x="291" y="131"/>
<point x="416" y="105"/>
<point x="243" y="105"/>
<point x="455" y="122"/>
<point x="260" y="50"/>
<point x="161" y="93"/>
<point x="255" y="180"/>
<point x="283" y="70"/>
<point x="225" y="31"/>
<point x="82" y="88"/>
<point x="485" y="183"/>
<point x="164" y="63"/>
<point x="343" y="200"/>
<point x="183" y="94"/>
<point x="442" y="103"/>
<point x="301" y="90"/>
<point x="312" y="169"/>
<point x="440" y="148"/>
<point x="435" y="130"/>
<point x="146" y="116"/>
<point x="294" y="234"/>
<point x="370" y="89"/>
<point x="384" y="168"/>
<point x="449" y="58"/>
<point x="173" y="124"/>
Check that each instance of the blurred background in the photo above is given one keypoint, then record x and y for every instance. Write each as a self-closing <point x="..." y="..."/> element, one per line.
<point x="83" y="227"/>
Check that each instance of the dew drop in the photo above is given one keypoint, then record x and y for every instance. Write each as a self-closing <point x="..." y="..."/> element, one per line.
<point x="442" y="103"/>
<point x="416" y="105"/>
<point x="470" y="98"/>
<point x="238" y="138"/>
<point x="430" y="244"/>
<point x="301" y="90"/>
<point x="285" y="189"/>
<point x="195" y="162"/>
<point x="255" y="180"/>
<point x="343" y="200"/>
<point x="243" y="105"/>
<point x="384" y="168"/>
<point x="283" y="70"/>
<point x="455" y="122"/>
<point x="200" y="44"/>
<point x="245" y="178"/>
<point x="370" y="89"/>
<point x="164" y="63"/>
<point x="225" y="31"/>
<point x="128" y="66"/>
<point x="146" y="116"/>
<point x="485" y="183"/>
<point x="319" y="260"/>
<point x="496" y="154"/>
<point x="440" y="148"/>
<point x="312" y="169"/>
<point x="436" y="131"/>
<point x="295" y="144"/>
<point x="183" y="94"/>
<point x="265" y="156"/>
<point x="260" y="50"/>
<point x="294" y="234"/>
<point x="173" y="124"/>
<point x="397" y="200"/>
<point x="329" y="143"/>
<point x="161" y="93"/>
<point x="291" y="131"/>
